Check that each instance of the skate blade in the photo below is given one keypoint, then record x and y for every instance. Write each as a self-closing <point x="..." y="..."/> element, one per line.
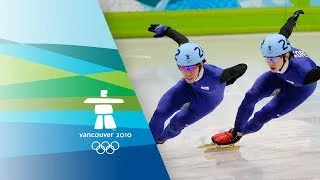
<point x="206" y="145"/>
<point x="217" y="148"/>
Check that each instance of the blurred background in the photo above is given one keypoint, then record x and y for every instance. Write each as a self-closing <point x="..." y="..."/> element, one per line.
<point x="129" y="18"/>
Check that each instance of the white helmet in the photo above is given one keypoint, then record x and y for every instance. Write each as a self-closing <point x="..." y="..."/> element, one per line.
<point x="275" y="45"/>
<point x="189" y="54"/>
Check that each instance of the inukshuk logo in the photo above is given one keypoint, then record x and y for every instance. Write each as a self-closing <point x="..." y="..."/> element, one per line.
<point x="104" y="120"/>
<point x="103" y="109"/>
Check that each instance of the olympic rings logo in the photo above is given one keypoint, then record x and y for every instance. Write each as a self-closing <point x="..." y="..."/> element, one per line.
<point x="105" y="147"/>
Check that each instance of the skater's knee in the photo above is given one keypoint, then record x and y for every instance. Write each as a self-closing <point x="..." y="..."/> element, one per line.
<point x="163" y="112"/>
<point x="260" y="118"/>
<point x="265" y="115"/>
<point x="251" y="97"/>
<point x="175" y="127"/>
<point x="249" y="100"/>
<point x="270" y="111"/>
<point x="159" y="112"/>
<point x="153" y="123"/>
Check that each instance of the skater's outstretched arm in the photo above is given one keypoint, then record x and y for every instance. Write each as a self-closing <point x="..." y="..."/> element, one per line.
<point x="161" y="30"/>
<point x="230" y="75"/>
<point x="287" y="29"/>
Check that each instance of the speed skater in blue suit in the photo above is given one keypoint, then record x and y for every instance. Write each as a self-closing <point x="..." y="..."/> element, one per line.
<point x="197" y="94"/>
<point x="291" y="80"/>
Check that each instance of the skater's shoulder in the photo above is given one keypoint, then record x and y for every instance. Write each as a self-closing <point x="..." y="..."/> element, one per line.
<point x="296" y="53"/>
<point x="212" y="71"/>
<point x="212" y="68"/>
<point x="294" y="49"/>
<point x="300" y="59"/>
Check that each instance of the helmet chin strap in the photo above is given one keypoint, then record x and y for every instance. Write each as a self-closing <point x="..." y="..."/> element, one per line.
<point x="199" y="73"/>
<point x="285" y="65"/>
<point x="200" y="67"/>
<point x="284" y="62"/>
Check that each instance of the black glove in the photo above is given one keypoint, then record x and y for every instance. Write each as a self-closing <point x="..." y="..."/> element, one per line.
<point x="296" y="14"/>
<point x="160" y="30"/>
<point x="294" y="18"/>
<point x="287" y="29"/>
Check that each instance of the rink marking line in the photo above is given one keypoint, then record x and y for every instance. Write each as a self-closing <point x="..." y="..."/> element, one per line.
<point x="137" y="56"/>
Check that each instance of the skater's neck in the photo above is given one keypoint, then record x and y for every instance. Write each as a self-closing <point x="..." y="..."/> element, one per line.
<point x="200" y="74"/>
<point x="284" y="67"/>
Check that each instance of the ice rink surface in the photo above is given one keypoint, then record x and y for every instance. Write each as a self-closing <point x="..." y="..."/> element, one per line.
<point x="286" y="148"/>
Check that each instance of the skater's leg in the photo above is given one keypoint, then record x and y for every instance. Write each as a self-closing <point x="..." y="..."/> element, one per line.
<point x="176" y="125"/>
<point x="263" y="87"/>
<point x="169" y="103"/>
<point x="266" y="85"/>
<point x="189" y="115"/>
<point x="288" y="99"/>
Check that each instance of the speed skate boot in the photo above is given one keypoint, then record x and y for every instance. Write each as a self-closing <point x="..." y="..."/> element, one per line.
<point x="226" y="138"/>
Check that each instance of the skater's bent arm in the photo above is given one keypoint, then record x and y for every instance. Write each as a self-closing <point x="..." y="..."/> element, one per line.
<point x="312" y="76"/>
<point x="230" y="75"/>
<point x="287" y="29"/>
<point x="176" y="36"/>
